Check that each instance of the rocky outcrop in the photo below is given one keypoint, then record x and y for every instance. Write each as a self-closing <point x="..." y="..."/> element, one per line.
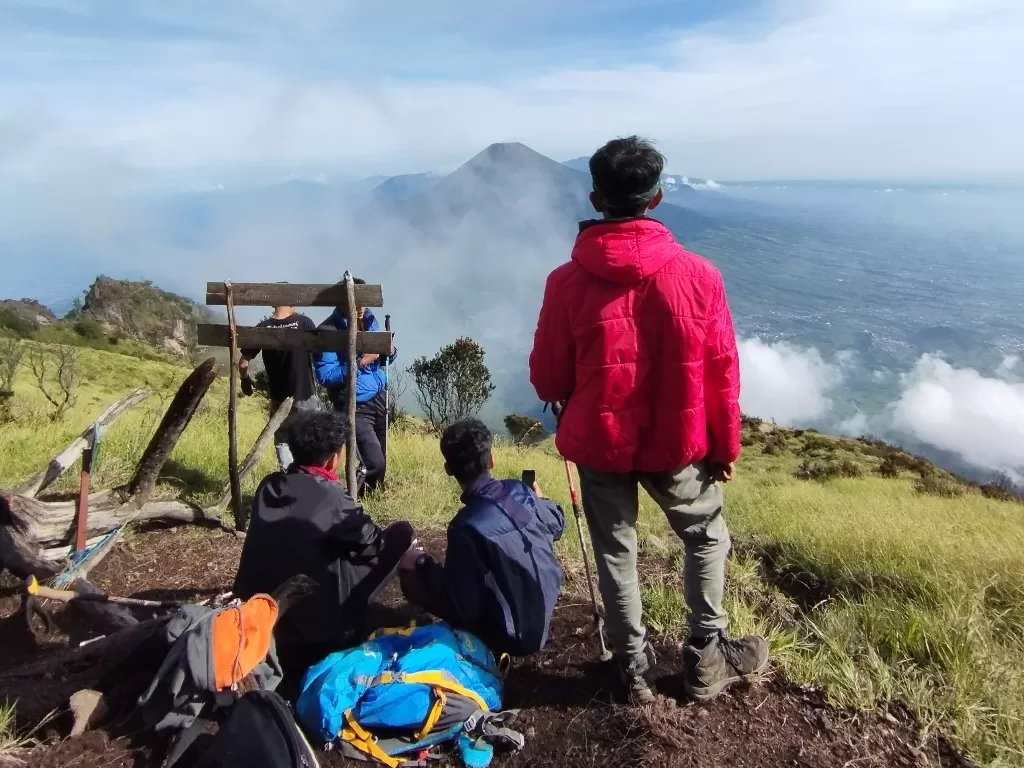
<point x="28" y="311"/>
<point x="140" y="310"/>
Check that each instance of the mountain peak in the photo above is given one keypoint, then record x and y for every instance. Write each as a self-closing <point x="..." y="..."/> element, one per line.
<point x="513" y="156"/>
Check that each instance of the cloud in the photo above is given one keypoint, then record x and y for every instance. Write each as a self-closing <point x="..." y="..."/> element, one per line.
<point x="1007" y="368"/>
<point x="959" y="410"/>
<point x="855" y="426"/>
<point x="786" y="383"/>
<point x="790" y="89"/>
<point x="710" y="185"/>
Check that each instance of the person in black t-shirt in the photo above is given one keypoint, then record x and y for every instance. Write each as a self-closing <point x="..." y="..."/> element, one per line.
<point x="289" y="374"/>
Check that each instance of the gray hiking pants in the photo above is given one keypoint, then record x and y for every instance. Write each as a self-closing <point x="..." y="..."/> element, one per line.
<point x="284" y="453"/>
<point x="692" y="502"/>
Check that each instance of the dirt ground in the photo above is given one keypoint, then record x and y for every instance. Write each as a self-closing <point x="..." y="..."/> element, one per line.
<point x="566" y="698"/>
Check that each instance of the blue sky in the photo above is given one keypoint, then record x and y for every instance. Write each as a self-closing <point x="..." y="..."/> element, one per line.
<point x="201" y="91"/>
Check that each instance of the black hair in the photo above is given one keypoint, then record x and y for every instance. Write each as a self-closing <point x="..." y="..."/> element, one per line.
<point x="626" y="174"/>
<point x="466" y="447"/>
<point x="315" y="436"/>
<point x="358" y="281"/>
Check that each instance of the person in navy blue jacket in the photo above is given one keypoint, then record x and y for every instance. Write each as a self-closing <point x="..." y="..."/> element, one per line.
<point x="500" y="578"/>
<point x="371" y="403"/>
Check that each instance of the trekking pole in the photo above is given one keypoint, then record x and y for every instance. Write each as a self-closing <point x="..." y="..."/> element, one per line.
<point x="387" y="389"/>
<point x="578" y="514"/>
<point x="34" y="589"/>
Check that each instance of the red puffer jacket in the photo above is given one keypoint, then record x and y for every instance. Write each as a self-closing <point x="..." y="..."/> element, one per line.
<point x="635" y="333"/>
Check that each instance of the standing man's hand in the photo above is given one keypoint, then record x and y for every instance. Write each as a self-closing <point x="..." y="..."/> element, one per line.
<point x="243" y="366"/>
<point x="722" y="473"/>
<point x="366" y="359"/>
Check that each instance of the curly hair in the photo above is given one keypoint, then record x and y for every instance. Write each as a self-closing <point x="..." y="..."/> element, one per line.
<point x="466" y="447"/>
<point x="315" y="436"/>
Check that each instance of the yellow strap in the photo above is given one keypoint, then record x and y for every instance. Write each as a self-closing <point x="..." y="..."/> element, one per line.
<point x="403" y="631"/>
<point x="433" y="716"/>
<point x="438" y="680"/>
<point x="362" y="740"/>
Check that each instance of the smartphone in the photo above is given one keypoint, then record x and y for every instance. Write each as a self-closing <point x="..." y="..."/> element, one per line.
<point x="529" y="477"/>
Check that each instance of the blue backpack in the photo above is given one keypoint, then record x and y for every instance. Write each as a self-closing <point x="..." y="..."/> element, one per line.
<point x="409" y="696"/>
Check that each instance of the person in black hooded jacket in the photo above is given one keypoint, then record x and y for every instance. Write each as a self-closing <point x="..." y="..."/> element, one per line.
<point x="304" y="522"/>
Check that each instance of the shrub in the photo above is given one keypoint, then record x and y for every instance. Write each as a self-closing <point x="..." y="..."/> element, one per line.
<point x="896" y="461"/>
<point x="525" y="430"/>
<point x="15" y="323"/>
<point x="888" y="467"/>
<point x="815" y="442"/>
<point x="1002" y="488"/>
<point x="454" y="384"/>
<point x="56" y="372"/>
<point x="775" y="444"/>
<point x="937" y="485"/>
<point x="261" y="383"/>
<point x="872" y="446"/>
<point x="11" y="352"/>
<point x="750" y="421"/>
<point x="748" y="439"/>
<point x="88" y="328"/>
<point x="398" y="385"/>
<point x="827" y="470"/>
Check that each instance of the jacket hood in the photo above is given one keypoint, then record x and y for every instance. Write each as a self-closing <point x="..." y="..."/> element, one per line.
<point x="340" y="319"/>
<point x="624" y="250"/>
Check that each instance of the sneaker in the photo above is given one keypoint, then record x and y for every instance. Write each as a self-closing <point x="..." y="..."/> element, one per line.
<point x="721" y="663"/>
<point x="636" y="677"/>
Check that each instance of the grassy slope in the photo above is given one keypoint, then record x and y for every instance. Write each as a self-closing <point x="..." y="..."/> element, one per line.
<point x="862" y="585"/>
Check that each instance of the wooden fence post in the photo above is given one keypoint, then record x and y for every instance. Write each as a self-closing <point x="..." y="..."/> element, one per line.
<point x="353" y="328"/>
<point x="241" y="523"/>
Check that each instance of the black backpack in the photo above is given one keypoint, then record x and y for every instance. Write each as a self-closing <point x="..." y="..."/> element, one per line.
<point x="258" y="732"/>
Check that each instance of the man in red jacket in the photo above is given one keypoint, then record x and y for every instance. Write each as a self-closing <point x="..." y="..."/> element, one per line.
<point x="636" y="339"/>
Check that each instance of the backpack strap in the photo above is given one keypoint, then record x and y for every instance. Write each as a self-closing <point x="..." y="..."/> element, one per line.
<point x="359" y="738"/>
<point x="439" y="682"/>
<point x="183" y="741"/>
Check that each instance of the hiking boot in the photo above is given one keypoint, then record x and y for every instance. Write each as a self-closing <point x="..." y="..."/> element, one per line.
<point x="721" y="662"/>
<point x="636" y="676"/>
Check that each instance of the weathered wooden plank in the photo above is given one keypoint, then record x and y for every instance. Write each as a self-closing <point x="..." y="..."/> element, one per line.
<point x="376" y="343"/>
<point x="60" y="463"/>
<point x="293" y="295"/>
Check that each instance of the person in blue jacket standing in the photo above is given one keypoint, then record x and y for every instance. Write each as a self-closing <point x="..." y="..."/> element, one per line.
<point x="371" y="402"/>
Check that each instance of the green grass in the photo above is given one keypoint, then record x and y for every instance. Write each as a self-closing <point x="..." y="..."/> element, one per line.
<point x="863" y="585"/>
<point x="13" y="743"/>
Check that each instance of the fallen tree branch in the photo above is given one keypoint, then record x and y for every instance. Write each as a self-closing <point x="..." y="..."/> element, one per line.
<point x="258" y="447"/>
<point x="179" y="414"/>
<point x="60" y="463"/>
<point x="47" y="523"/>
<point x="31" y="530"/>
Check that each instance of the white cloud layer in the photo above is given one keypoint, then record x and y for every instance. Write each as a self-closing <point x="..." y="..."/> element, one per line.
<point x="919" y="88"/>
<point x="785" y="383"/>
<point x="977" y="417"/>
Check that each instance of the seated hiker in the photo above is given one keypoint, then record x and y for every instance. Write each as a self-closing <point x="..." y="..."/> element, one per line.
<point x="371" y="381"/>
<point x="305" y="522"/>
<point x="500" y="579"/>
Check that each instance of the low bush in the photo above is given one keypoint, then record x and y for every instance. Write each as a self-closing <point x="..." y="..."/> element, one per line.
<point x="937" y="485"/>
<point x="828" y="470"/>
<point x="775" y="444"/>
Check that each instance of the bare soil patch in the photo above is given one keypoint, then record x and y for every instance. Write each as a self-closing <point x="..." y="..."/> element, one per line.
<point x="567" y="699"/>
